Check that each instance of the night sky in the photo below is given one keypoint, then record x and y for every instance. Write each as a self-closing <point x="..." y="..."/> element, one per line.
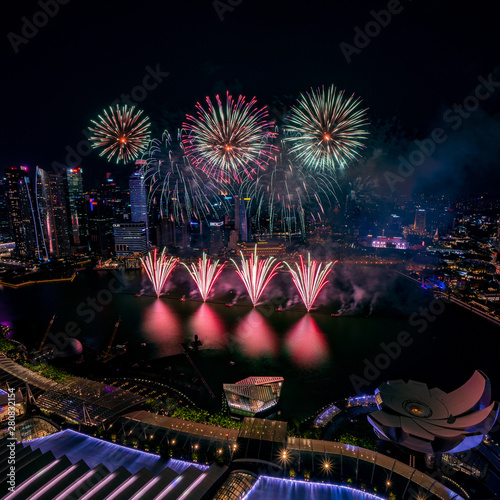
<point x="428" y="58"/>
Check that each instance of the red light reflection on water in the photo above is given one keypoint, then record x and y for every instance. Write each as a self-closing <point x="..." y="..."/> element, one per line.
<point x="255" y="336"/>
<point x="208" y="326"/>
<point x="161" y="327"/>
<point x="306" y="343"/>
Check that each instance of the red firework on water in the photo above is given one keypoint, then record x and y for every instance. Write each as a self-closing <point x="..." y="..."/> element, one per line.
<point x="121" y="132"/>
<point x="205" y="274"/>
<point x="229" y="140"/>
<point x="158" y="269"/>
<point x="256" y="274"/>
<point x="309" y="279"/>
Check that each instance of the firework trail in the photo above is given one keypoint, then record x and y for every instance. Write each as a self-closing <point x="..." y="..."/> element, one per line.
<point x="205" y="274"/>
<point x="180" y="192"/>
<point x="256" y="275"/>
<point x="158" y="269"/>
<point x="325" y="130"/>
<point x="228" y="140"/>
<point x="309" y="279"/>
<point x="285" y="196"/>
<point x="120" y="132"/>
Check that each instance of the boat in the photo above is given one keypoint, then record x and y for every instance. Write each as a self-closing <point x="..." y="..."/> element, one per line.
<point x="335" y="314"/>
<point x="279" y="309"/>
<point x="137" y="295"/>
<point x="229" y="304"/>
<point x="183" y="299"/>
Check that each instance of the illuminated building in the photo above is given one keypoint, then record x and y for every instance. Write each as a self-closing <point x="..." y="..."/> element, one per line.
<point x="51" y="204"/>
<point x="4" y="213"/>
<point x="138" y="200"/>
<point x="253" y="394"/>
<point x="241" y="224"/>
<point x="130" y="237"/>
<point x="264" y="249"/>
<point x="384" y="242"/>
<point x="76" y="205"/>
<point x="100" y="224"/>
<point x="23" y="215"/>
<point x="216" y="236"/>
<point x="419" y="224"/>
<point x="432" y="421"/>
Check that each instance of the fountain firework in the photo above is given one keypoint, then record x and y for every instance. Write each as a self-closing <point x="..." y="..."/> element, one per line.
<point x="158" y="269"/>
<point x="205" y="274"/>
<point x="309" y="279"/>
<point x="256" y="275"/>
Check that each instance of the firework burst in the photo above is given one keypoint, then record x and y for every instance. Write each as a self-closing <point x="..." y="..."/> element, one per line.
<point x="325" y="130"/>
<point x="256" y="275"/>
<point x="158" y="269"/>
<point x="205" y="274"/>
<point x="309" y="279"/>
<point x="120" y="132"/>
<point x="228" y="140"/>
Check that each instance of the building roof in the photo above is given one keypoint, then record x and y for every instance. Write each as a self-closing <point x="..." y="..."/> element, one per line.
<point x="430" y="420"/>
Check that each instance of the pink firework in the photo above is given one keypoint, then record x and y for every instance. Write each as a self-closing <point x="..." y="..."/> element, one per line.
<point x="229" y="139"/>
<point x="256" y="275"/>
<point x="205" y="274"/>
<point x="309" y="279"/>
<point x="158" y="269"/>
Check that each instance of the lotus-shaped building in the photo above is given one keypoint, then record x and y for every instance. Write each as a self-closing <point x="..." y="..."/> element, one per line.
<point x="432" y="421"/>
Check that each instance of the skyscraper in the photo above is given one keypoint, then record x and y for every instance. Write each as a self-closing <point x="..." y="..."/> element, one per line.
<point x="100" y="224"/>
<point x="24" y="220"/>
<point x="78" y="230"/>
<point x="138" y="200"/>
<point x="419" y="225"/>
<point x="241" y="225"/>
<point x="52" y="210"/>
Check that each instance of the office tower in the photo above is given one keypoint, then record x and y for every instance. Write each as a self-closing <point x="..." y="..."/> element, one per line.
<point x="78" y="224"/>
<point x="216" y="242"/>
<point x="419" y="225"/>
<point x="52" y="211"/>
<point x="139" y="200"/>
<point x="240" y="219"/>
<point x="129" y="237"/>
<point x="116" y="198"/>
<point x="100" y="224"/>
<point x="23" y="216"/>
<point x="4" y="213"/>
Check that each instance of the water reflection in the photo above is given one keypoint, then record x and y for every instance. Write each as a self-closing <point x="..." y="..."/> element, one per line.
<point x="209" y="327"/>
<point x="306" y="343"/>
<point x="255" y="336"/>
<point x="162" y="327"/>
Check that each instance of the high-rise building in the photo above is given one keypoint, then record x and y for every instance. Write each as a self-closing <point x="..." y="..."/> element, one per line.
<point x="139" y="199"/>
<point x="78" y="224"/>
<point x="4" y="213"/>
<point x="100" y="224"/>
<point x="419" y="225"/>
<point x="24" y="221"/>
<point x="241" y="224"/>
<point x="52" y="211"/>
<point x="130" y="237"/>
